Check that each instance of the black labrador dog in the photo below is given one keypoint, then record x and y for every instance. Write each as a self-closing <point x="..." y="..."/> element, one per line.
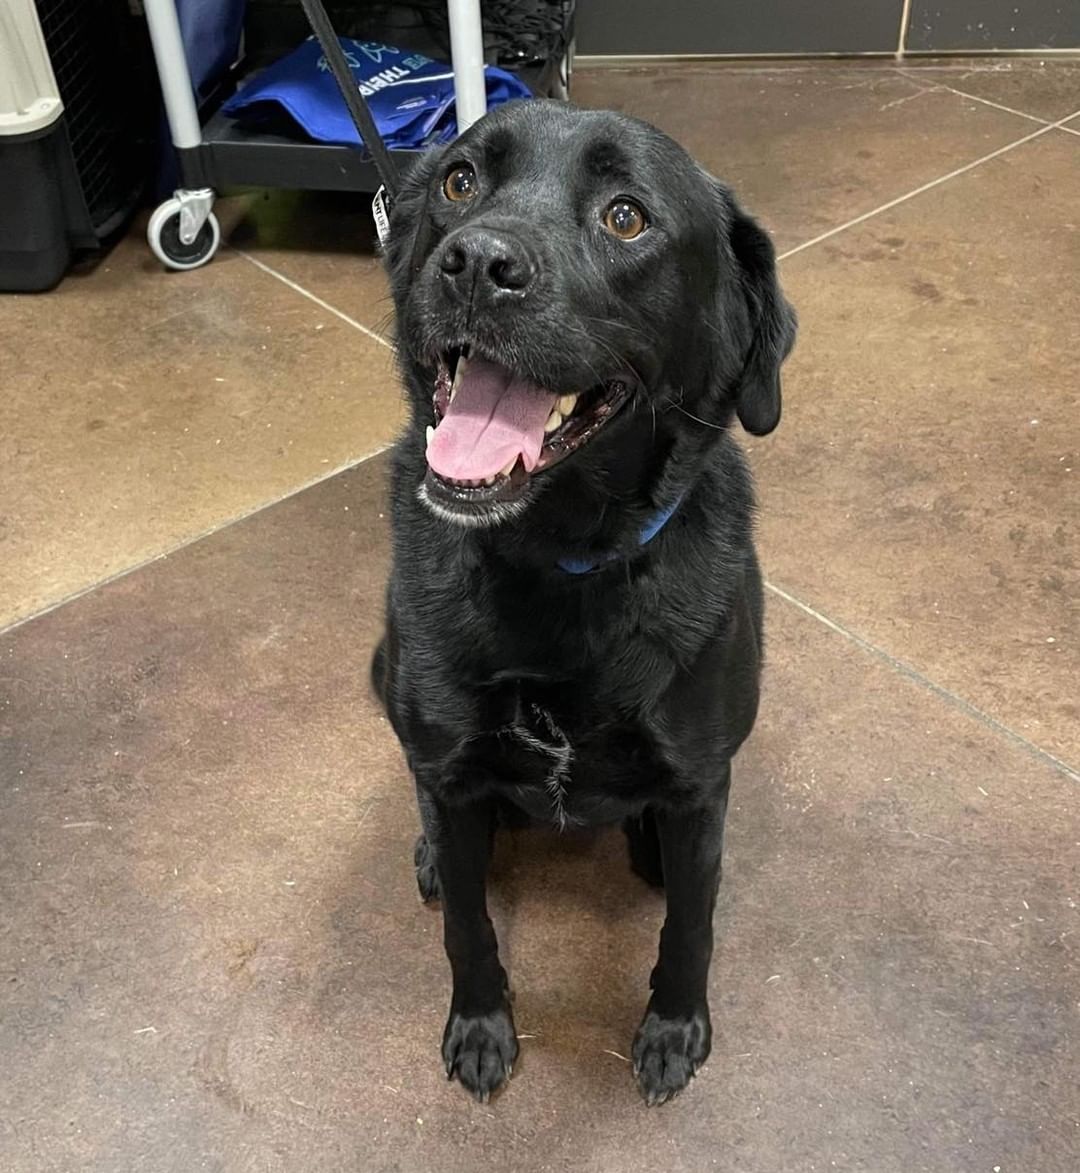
<point x="575" y="607"/>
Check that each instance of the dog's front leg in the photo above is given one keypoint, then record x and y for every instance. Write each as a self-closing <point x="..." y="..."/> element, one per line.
<point x="479" y="1043"/>
<point x="675" y="1035"/>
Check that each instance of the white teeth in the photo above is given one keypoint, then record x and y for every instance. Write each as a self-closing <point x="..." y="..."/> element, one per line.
<point x="430" y="433"/>
<point x="553" y="421"/>
<point x="462" y="363"/>
<point x="566" y="404"/>
<point x="489" y="480"/>
<point x="505" y="472"/>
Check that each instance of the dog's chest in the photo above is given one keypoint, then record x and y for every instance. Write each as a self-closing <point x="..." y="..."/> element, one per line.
<point x="566" y="764"/>
<point x="536" y="733"/>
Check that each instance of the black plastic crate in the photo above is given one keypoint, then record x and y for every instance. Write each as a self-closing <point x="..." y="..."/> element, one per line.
<point x="73" y="185"/>
<point x="100" y="55"/>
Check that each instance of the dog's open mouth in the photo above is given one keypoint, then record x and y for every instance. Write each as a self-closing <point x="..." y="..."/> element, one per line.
<point x="494" y="430"/>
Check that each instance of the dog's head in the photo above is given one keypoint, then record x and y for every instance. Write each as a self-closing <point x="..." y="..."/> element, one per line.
<point x="576" y="297"/>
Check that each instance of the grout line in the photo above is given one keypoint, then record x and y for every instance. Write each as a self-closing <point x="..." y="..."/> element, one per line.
<point x="916" y="191"/>
<point x="809" y="60"/>
<point x="752" y="60"/>
<point x="988" y="102"/>
<point x="920" y="72"/>
<point x="905" y="24"/>
<point x="298" y="288"/>
<point x="914" y="675"/>
<point x="1067" y="129"/>
<point x="190" y="541"/>
<point x="1003" y="55"/>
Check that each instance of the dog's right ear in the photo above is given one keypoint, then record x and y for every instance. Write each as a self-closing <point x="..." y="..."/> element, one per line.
<point x="772" y="321"/>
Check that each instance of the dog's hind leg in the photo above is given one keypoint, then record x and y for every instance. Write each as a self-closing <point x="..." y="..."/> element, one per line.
<point x="378" y="672"/>
<point x="427" y="878"/>
<point x="644" y="844"/>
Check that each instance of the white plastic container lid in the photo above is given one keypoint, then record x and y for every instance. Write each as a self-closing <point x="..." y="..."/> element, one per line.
<point x="29" y="98"/>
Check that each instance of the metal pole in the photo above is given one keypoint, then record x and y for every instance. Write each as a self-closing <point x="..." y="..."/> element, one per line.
<point x="467" y="55"/>
<point x="176" y="88"/>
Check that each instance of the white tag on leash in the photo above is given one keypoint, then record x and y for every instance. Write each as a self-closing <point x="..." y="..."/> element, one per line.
<point x="381" y="211"/>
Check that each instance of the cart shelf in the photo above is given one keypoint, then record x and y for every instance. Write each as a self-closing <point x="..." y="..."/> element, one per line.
<point x="231" y="156"/>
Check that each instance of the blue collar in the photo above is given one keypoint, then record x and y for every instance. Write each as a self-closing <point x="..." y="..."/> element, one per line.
<point x="654" y="525"/>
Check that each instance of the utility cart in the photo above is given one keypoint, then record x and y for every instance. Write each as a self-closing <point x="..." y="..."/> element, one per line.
<point x="219" y="153"/>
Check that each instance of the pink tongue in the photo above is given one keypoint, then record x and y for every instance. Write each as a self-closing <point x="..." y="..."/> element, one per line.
<point x="493" y="419"/>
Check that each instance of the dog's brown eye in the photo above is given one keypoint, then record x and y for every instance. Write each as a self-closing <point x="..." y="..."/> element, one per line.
<point x="625" y="220"/>
<point x="460" y="184"/>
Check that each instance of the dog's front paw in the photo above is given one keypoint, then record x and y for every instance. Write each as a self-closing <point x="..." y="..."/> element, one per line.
<point x="667" y="1053"/>
<point x="480" y="1051"/>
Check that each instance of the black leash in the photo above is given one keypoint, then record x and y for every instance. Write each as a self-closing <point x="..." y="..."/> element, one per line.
<point x="358" y="111"/>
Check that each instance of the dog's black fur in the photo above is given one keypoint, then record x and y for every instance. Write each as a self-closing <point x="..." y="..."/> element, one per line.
<point x="617" y="695"/>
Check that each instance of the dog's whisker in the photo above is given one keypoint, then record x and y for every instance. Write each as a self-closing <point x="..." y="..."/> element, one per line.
<point x="696" y="418"/>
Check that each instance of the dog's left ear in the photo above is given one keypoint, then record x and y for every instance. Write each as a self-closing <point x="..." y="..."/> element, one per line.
<point x="772" y="322"/>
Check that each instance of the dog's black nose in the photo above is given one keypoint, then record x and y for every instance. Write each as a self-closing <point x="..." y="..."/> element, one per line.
<point x="493" y="264"/>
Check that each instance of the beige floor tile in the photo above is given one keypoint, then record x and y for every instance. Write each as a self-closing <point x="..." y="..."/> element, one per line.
<point x="924" y="486"/>
<point x="808" y="147"/>
<point x="141" y="408"/>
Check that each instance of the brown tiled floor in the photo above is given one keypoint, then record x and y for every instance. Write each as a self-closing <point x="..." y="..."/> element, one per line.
<point x="940" y="458"/>
<point x="212" y="955"/>
<point x="1038" y="90"/>
<point x="140" y="409"/>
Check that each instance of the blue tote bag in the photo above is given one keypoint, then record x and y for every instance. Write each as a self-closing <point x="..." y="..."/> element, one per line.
<point x="411" y="97"/>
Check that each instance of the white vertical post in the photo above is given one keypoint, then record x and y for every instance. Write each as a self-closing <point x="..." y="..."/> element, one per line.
<point x="467" y="57"/>
<point x="176" y="88"/>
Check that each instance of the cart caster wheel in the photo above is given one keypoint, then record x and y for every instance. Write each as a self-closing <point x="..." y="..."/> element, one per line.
<point x="163" y="235"/>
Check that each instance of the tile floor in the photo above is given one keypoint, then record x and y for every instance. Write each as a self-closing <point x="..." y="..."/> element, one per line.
<point x="212" y="954"/>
